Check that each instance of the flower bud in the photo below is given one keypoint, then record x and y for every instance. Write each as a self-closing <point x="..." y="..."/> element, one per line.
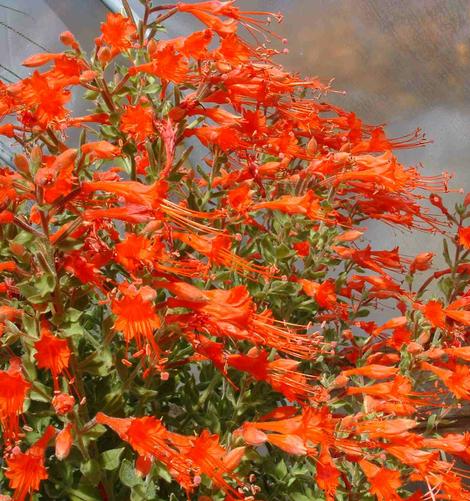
<point x="422" y="262"/>
<point x="63" y="442"/>
<point x="63" y="403"/>
<point x="67" y="38"/>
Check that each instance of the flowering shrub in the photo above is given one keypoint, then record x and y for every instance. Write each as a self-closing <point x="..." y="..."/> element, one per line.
<point x="188" y="307"/>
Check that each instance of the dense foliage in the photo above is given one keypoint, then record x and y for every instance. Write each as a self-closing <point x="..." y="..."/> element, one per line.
<point x="188" y="305"/>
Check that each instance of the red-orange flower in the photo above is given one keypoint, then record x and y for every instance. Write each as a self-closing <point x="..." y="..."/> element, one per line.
<point x="307" y="204"/>
<point x="63" y="403"/>
<point x="135" y="251"/>
<point x="101" y="150"/>
<point x="26" y="470"/>
<point x="44" y="99"/>
<point x="456" y="378"/>
<point x="52" y="353"/>
<point x="118" y="32"/>
<point x="136" y="317"/>
<point x="137" y="121"/>
<point x="183" y="455"/>
<point x="383" y="481"/>
<point x="167" y="64"/>
<point x="464" y="237"/>
<point x="421" y="262"/>
<point x="281" y="373"/>
<point x="327" y="474"/>
<point x="374" y="371"/>
<point x="13" y="391"/>
<point x="63" y="442"/>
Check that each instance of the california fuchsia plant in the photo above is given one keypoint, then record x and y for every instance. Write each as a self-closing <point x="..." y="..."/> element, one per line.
<point x="188" y="309"/>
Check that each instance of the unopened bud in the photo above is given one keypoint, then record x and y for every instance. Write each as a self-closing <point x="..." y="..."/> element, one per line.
<point x="68" y="39"/>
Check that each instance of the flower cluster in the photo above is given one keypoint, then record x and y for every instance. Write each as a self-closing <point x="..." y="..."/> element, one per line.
<point x="188" y="306"/>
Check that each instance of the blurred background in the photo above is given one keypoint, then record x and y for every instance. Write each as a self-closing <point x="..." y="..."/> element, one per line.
<point x="401" y="62"/>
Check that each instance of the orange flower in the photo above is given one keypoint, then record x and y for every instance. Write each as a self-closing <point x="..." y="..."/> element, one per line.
<point x="327" y="475"/>
<point x="307" y="205"/>
<point x="167" y="64"/>
<point x="383" y="481"/>
<point x="464" y="237"/>
<point x="101" y="150"/>
<point x="129" y="213"/>
<point x="63" y="403"/>
<point x="146" y="435"/>
<point x="462" y="352"/>
<point x="7" y="266"/>
<point x="349" y="236"/>
<point x="56" y="176"/>
<point x="456" y="378"/>
<point x="63" y="442"/>
<point x="217" y="249"/>
<point x="67" y="38"/>
<point x="324" y="293"/>
<point x="13" y="391"/>
<point x="40" y="59"/>
<point x="43" y="97"/>
<point x="452" y="443"/>
<point x="393" y="323"/>
<point x="118" y="32"/>
<point x="208" y="12"/>
<point x="281" y="373"/>
<point x="135" y="251"/>
<point x="422" y="262"/>
<point x="195" y="45"/>
<point x="373" y="371"/>
<point x="302" y="248"/>
<point x="53" y="354"/>
<point x="136" y="316"/>
<point x="26" y="470"/>
<point x="377" y="428"/>
<point x="461" y="316"/>
<point x="379" y="142"/>
<point x="208" y="457"/>
<point x="434" y="312"/>
<point x="7" y="130"/>
<point x="233" y="50"/>
<point x="205" y="12"/>
<point x="135" y="193"/>
<point x="186" y="457"/>
<point x="394" y="397"/>
<point x="232" y="313"/>
<point x="137" y="121"/>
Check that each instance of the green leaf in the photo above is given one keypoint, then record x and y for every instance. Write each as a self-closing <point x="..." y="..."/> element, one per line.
<point x="446" y="253"/>
<point x="110" y="459"/>
<point x="113" y="403"/>
<point x="283" y="251"/>
<point x="84" y="493"/>
<point x="95" y="432"/>
<point x="38" y="290"/>
<point x="29" y="325"/>
<point x="91" y="470"/>
<point x="446" y="284"/>
<point x="98" y="364"/>
<point x="143" y="492"/>
<point x="45" y="284"/>
<point x="73" y="329"/>
<point x="72" y="315"/>
<point x="280" y="469"/>
<point x="128" y="475"/>
<point x="39" y="392"/>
